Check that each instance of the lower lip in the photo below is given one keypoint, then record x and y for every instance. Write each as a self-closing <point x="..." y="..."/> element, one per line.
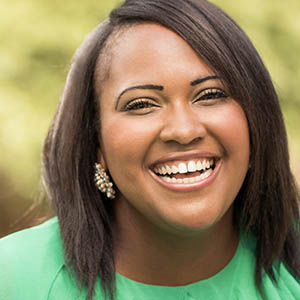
<point x="189" y="187"/>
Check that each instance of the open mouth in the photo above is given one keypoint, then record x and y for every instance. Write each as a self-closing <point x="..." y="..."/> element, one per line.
<point x="191" y="171"/>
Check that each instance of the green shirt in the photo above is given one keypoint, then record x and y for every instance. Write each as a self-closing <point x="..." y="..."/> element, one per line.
<point x="32" y="268"/>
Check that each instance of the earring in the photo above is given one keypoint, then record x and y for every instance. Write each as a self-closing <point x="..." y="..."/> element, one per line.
<point x="102" y="182"/>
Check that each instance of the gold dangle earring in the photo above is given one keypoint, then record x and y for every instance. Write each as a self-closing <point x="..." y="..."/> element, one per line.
<point x="103" y="182"/>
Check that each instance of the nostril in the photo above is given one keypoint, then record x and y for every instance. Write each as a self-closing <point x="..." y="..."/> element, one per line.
<point x="183" y="136"/>
<point x="182" y="124"/>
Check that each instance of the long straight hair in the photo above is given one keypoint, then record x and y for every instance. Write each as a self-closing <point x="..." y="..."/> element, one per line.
<point x="267" y="203"/>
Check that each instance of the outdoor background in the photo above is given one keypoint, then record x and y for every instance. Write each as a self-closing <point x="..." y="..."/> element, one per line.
<point x="37" y="41"/>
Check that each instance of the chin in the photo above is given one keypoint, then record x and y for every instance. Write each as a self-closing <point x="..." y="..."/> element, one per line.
<point x="196" y="223"/>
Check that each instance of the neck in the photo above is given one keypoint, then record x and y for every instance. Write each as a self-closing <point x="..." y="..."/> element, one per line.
<point x="147" y="254"/>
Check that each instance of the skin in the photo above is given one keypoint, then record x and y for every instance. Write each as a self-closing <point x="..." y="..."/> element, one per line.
<point x="185" y="235"/>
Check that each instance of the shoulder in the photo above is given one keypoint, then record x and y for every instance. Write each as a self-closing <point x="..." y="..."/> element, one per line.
<point x="27" y="257"/>
<point x="29" y="245"/>
<point x="287" y="286"/>
<point x="24" y="236"/>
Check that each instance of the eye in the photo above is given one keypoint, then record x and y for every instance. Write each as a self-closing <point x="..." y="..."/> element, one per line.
<point x="211" y="96"/>
<point x="140" y="106"/>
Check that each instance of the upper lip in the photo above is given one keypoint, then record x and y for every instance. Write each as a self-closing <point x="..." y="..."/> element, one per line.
<point x="177" y="156"/>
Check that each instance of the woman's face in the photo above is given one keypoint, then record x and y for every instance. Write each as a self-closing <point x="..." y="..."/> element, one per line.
<point x="176" y="146"/>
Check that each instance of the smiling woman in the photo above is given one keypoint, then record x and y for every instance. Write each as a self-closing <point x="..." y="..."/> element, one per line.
<point x="174" y="115"/>
<point x="167" y="166"/>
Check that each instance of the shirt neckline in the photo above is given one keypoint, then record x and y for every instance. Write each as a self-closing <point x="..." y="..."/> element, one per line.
<point x="225" y="274"/>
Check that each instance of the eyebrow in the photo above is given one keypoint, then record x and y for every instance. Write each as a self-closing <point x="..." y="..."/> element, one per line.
<point x="140" y="87"/>
<point x="201" y="80"/>
<point x="160" y="87"/>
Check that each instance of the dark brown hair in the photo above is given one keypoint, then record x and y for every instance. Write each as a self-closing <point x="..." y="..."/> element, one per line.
<point x="267" y="203"/>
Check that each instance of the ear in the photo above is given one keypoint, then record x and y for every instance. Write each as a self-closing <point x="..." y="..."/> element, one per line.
<point x="101" y="159"/>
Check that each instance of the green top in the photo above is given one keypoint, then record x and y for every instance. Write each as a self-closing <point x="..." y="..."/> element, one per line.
<point x="32" y="267"/>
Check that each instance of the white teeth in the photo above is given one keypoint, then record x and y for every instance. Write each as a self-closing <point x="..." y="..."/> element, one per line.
<point x="188" y="179"/>
<point x="169" y="170"/>
<point x="175" y="170"/>
<point x="167" y="179"/>
<point x="199" y="165"/>
<point x="207" y="164"/>
<point x="182" y="168"/>
<point x="205" y="174"/>
<point x="192" y="166"/>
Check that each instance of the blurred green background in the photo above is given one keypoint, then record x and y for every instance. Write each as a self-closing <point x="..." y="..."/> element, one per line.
<point x="38" y="39"/>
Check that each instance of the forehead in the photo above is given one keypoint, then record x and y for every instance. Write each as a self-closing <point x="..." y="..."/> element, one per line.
<point x="148" y="49"/>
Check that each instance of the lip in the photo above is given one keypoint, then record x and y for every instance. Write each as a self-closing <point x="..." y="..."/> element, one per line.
<point x="189" y="187"/>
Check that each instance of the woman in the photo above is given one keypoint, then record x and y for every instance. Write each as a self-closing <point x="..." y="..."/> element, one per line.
<point x="167" y="166"/>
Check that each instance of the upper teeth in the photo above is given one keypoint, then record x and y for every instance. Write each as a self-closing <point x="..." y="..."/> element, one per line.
<point x="185" y="167"/>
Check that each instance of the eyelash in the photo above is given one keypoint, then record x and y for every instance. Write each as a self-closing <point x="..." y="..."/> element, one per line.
<point x="139" y="104"/>
<point x="206" y="95"/>
<point x="211" y="94"/>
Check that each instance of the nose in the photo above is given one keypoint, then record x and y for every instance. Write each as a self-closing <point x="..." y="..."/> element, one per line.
<point x="183" y="125"/>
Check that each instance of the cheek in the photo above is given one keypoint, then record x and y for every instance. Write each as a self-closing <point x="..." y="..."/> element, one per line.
<point x="230" y="127"/>
<point x="125" y="144"/>
<point x="236" y="138"/>
<point x="238" y="133"/>
<point x="237" y="146"/>
<point x="126" y="141"/>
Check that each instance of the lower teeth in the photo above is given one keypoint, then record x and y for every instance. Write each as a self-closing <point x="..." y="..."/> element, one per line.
<point x="188" y="179"/>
